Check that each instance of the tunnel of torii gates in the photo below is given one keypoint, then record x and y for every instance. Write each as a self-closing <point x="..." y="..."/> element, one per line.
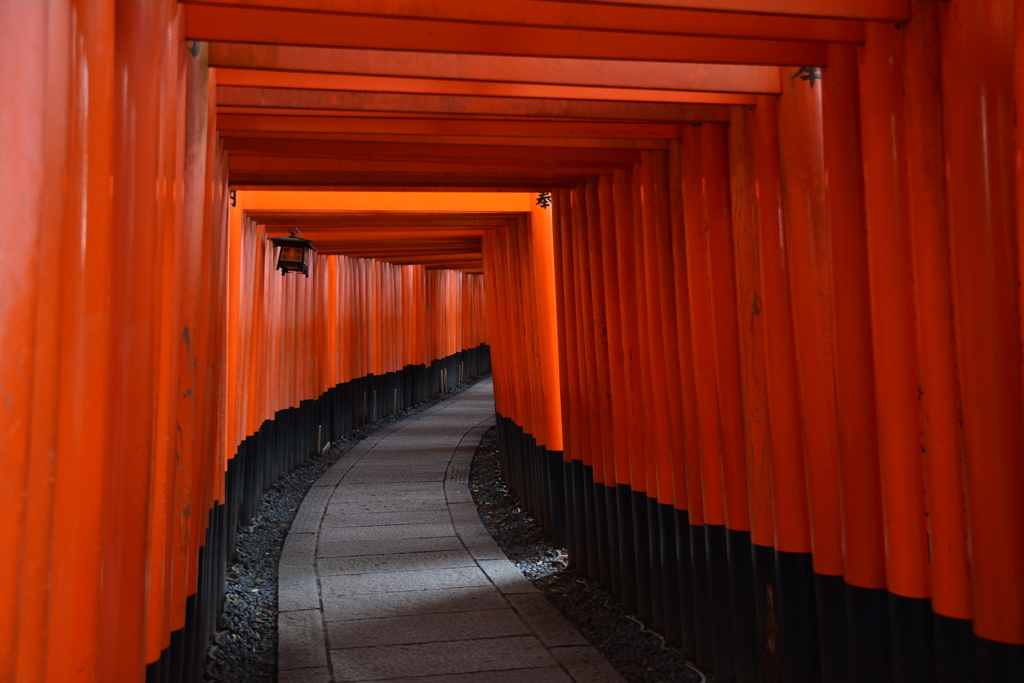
<point x="757" y="366"/>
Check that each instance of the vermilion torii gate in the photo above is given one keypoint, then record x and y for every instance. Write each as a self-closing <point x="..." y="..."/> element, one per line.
<point x="762" y="373"/>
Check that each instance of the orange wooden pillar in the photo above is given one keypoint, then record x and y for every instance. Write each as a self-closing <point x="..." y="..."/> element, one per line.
<point x="645" y="473"/>
<point x="541" y="232"/>
<point x="867" y="651"/>
<point x="216" y="294"/>
<point x="807" y="254"/>
<point x="790" y="512"/>
<point x="648" y="222"/>
<point x="508" y="269"/>
<point x="688" y="502"/>
<point x="189" y="492"/>
<point x="621" y="549"/>
<point x="521" y="244"/>
<point x="569" y="378"/>
<point x="24" y="298"/>
<point x="58" y="125"/>
<point x="630" y="473"/>
<point x="487" y="247"/>
<point x="565" y="310"/>
<point x="601" y="391"/>
<point x="136" y="467"/>
<point x="75" y="613"/>
<point x="73" y="618"/>
<point x="745" y="193"/>
<point x="671" y="465"/>
<point x="978" y="133"/>
<point x="210" y="423"/>
<point x="734" y="544"/>
<point x="810" y="277"/>
<point x="709" y="465"/>
<point x="518" y="384"/>
<point x="722" y="279"/>
<point x="531" y="230"/>
<point x="592" y="456"/>
<point x="895" y="350"/>
<point x="537" y="427"/>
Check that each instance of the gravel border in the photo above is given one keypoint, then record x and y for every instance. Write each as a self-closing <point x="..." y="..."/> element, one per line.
<point x="244" y="650"/>
<point x="638" y="654"/>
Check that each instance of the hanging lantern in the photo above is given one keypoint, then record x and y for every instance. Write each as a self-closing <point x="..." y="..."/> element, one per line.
<point x="295" y="253"/>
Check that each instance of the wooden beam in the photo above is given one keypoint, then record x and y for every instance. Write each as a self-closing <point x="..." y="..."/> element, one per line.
<point x="505" y="69"/>
<point x="446" y="116"/>
<point x="896" y="11"/>
<point x="436" y="244"/>
<point x="455" y="219"/>
<point x="442" y="104"/>
<point x="358" y="250"/>
<point x="439" y="188"/>
<point x="320" y="81"/>
<point x="285" y="165"/>
<point x="593" y="143"/>
<point x="271" y="123"/>
<point x="465" y="267"/>
<point x="329" y="149"/>
<point x="443" y="259"/>
<point x="569" y="14"/>
<point x="400" y="182"/>
<point x="396" y="236"/>
<point x="282" y="27"/>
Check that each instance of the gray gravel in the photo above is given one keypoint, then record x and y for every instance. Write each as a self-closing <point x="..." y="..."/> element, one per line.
<point x="637" y="653"/>
<point x="245" y="649"/>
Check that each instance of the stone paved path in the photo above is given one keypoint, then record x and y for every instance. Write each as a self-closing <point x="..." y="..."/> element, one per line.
<point x="387" y="573"/>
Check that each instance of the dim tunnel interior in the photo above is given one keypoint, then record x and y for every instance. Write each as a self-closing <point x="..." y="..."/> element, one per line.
<point x="746" y="275"/>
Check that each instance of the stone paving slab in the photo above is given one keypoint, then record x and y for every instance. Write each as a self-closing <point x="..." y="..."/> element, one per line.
<point x="382" y="547"/>
<point x="506" y="576"/>
<point x="334" y="475"/>
<point x="307" y="519"/>
<point x="384" y="505"/>
<point x="377" y="493"/>
<point x="585" y="665"/>
<point x="299" y="548"/>
<point x="394" y="472"/>
<point x="405" y="603"/>
<point x="307" y="650"/>
<point x="545" y="675"/>
<point x="385" y="475"/>
<point x="399" y="451"/>
<point x="355" y="490"/>
<point x="458" y="496"/>
<point x="374" y="663"/>
<point x="425" y="628"/>
<point x="317" y="675"/>
<point x="480" y="544"/>
<point x="297" y="588"/>
<point x="378" y="605"/>
<point x="398" y="582"/>
<point x="388" y="574"/>
<point x="381" y="533"/>
<point x="436" y="516"/>
<point x="396" y="562"/>
<point x="545" y="621"/>
<point x="464" y="514"/>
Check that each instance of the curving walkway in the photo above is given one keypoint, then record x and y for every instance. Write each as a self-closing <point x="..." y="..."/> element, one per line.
<point x="387" y="573"/>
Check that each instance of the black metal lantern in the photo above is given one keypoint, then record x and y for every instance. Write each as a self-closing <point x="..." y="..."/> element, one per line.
<point x="294" y="254"/>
